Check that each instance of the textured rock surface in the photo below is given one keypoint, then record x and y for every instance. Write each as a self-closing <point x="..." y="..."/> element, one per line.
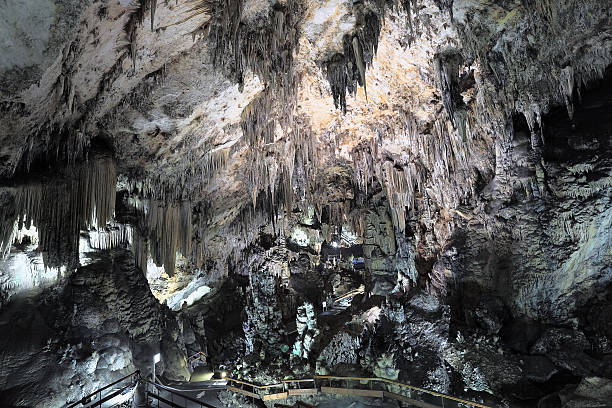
<point x="104" y="324"/>
<point x="451" y="156"/>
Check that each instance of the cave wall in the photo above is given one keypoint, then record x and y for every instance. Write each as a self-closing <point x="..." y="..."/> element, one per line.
<point x="91" y="327"/>
<point x="463" y="145"/>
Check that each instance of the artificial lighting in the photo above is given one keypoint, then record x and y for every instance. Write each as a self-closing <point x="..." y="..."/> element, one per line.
<point x="223" y="374"/>
<point x="334" y="244"/>
<point x="156" y="359"/>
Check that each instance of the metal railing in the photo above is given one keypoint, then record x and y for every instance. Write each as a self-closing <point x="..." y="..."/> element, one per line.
<point x="173" y="397"/>
<point x="91" y="401"/>
<point x="357" y="386"/>
<point x="281" y="390"/>
<point x="395" y="387"/>
<point x="197" y="356"/>
<point x="350" y="293"/>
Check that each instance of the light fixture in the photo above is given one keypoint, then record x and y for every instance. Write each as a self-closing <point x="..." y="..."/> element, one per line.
<point x="223" y="374"/>
<point x="156" y="359"/>
<point x="334" y="244"/>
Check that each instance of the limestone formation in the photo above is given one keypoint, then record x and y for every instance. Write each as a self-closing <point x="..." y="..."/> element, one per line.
<point x="417" y="190"/>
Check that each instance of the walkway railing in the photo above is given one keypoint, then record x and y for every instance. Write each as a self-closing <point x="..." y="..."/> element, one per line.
<point x="356" y="386"/>
<point x="351" y="293"/>
<point x="96" y="398"/>
<point x="352" y="386"/>
<point x="171" y="397"/>
<point x="197" y="356"/>
<point x="385" y="388"/>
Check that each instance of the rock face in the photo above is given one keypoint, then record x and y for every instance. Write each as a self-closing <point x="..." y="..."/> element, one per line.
<point x="104" y="324"/>
<point x="438" y="172"/>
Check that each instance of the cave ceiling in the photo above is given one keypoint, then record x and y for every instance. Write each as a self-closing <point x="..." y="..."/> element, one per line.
<point x="462" y="145"/>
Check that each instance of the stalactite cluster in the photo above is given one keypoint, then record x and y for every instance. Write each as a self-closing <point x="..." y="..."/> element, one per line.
<point x="138" y="11"/>
<point x="7" y="222"/>
<point x="273" y="158"/>
<point x="62" y="136"/>
<point x="504" y="65"/>
<point x="446" y="67"/>
<point x="267" y="49"/>
<point x="164" y="230"/>
<point x="59" y="209"/>
<point x="169" y="232"/>
<point x="412" y="10"/>
<point x="58" y="140"/>
<point x="439" y="152"/>
<point x="280" y="159"/>
<point x="110" y="237"/>
<point x="198" y="170"/>
<point x="346" y="70"/>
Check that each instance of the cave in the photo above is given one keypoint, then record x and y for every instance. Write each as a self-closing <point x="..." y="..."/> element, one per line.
<point x="284" y="203"/>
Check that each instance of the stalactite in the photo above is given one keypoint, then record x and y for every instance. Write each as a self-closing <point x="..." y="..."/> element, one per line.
<point x="153" y="8"/>
<point x="439" y="152"/>
<point x="347" y="69"/>
<point x="140" y="247"/>
<point x="447" y="66"/>
<point x="360" y="64"/>
<point x="412" y="10"/>
<point x="566" y="86"/>
<point x="164" y="230"/>
<point x="212" y="161"/>
<point x="344" y="71"/>
<point x="8" y="224"/>
<point x="399" y="192"/>
<point x="271" y="163"/>
<point x="170" y="232"/>
<point x="266" y="49"/>
<point x="337" y="77"/>
<point x="136" y="18"/>
<point x="83" y="197"/>
<point x="110" y="237"/>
